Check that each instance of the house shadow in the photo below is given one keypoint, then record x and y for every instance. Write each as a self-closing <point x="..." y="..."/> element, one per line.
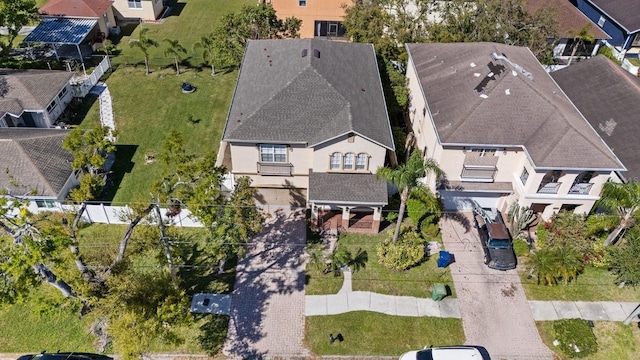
<point x="175" y="8"/>
<point x="271" y="267"/>
<point x="126" y="29"/>
<point x="122" y="166"/>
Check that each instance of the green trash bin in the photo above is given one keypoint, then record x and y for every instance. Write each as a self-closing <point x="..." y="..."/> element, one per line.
<point x="439" y="292"/>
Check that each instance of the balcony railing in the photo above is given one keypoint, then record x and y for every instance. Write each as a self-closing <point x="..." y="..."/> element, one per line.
<point x="281" y="169"/>
<point x="478" y="173"/>
<point x="581" y="189"/>
<point x="549" y="188"/>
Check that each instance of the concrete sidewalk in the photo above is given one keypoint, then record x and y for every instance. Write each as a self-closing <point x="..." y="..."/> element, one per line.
<point x="597" y="311"/>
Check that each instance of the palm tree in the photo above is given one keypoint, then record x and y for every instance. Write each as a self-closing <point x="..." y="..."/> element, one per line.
<point x="175" y="50"/>
<point x="580" y="38"/>
<point x="208" y="46"/>
<point x="569" y="263"/>
<point x="405" y="177"/>
<point x="144" y="44"/>
<point x="623" y="201"/>
<point x="545" y="263"/>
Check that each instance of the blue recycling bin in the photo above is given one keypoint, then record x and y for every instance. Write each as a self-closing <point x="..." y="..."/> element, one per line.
<point x="444" y="259"/>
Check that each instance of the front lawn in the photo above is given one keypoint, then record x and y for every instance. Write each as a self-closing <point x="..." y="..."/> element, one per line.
<point x="615" y="340"/>
<point x="592" y="285"/>
<point x="369" y="333"/>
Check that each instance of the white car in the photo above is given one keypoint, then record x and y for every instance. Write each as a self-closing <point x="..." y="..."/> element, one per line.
<point x="448" y="353"/>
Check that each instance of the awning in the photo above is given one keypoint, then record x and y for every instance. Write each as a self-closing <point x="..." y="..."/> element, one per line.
<point x="347" y="189"/>
<point x="61" y="30"/>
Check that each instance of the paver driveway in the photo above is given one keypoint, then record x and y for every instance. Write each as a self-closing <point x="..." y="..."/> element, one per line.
<point x="494" y="310"/>
<point x="267" y="311"/>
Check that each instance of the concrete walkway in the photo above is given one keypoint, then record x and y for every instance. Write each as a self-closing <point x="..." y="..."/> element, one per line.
<point x="106" y="108"/>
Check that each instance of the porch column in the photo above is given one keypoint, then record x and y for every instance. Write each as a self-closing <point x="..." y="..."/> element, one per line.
<point x="345" y="216"/>
<point x="377" y="217"/>
<point x="314" y="212"/>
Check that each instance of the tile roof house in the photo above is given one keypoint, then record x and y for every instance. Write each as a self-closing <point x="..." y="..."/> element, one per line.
<point x="101" y="10"/>
<point x="33" y="98"/>
<point x="35" y="166"/>
<point x="320" y="18"/>
<point x="308" y="124"/>
<point x="609" y="98"/>
<point x="618" y="18"/>
<point x="502" y="130"/>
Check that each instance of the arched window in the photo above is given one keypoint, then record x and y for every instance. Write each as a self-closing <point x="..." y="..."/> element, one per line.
<point x="551" y="182"/>
<point x="348" y="161"/>
<point x="361" y="161"/>
<point x="335" y="161"/>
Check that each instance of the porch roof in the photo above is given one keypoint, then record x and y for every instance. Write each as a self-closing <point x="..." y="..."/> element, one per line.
<point x="494" y="187"/>
<point x="61" y="30"/>
<point x="347" y="189"/>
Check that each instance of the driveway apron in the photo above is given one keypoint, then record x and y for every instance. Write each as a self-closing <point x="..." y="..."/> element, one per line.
<point x="495" y="312"/>
<point x="267" y="311"/>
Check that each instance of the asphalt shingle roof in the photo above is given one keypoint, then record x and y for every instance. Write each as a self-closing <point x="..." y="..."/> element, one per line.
<point x="79" y="8"/>
<point x="33" y="160"/>
<point x="625" y="12"/>
<point x="31" y="89"/>
<point x="285" y="97"/>
<point x="517" y="111"/>
<point x="609" y="98"/>
<point x="570" y="19"/>
<point x="347" y="188"/>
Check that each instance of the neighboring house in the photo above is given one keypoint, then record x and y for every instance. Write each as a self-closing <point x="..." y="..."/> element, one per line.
<point x="609" y="98"/>
<point x="618" y="18"/>
<point x="33" y="98"/>
<point x="570" y="21"/>
<point x="147" y="10"/>
<point x="502" y="130"/>
<point x="35" y="166"/>
<point x="320" y="18"/>
<point x="101" y="10"/>
<point x="308" y="124"/>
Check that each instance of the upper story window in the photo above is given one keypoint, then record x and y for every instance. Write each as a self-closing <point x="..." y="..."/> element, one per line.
<point x="62" y="93"/>
<point x="524" y="176"/>
<point x="601" y="21"/>
<point x="135" y="4"/>
<point x="52" y="106"/>
<point x="302" y="2"/>
<point x="273" y="153"/>
<point x="348" y="161"/>
<point x="361" y="161"/>
<point x="335" y="161"/>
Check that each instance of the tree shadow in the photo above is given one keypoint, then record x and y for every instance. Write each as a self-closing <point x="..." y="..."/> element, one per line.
<point x="122" y="166"/>
<point x="273" y="266"/>
<point x="298" y="198"/>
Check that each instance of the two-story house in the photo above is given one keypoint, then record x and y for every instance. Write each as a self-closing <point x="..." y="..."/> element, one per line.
<point x="146" y="10"/>
<point x="502" y="130"/>
<point x="100" y="10"/>
<point x="618" y="18"/>
<point x="308" y="124"/>
<point x="320" y="18"/>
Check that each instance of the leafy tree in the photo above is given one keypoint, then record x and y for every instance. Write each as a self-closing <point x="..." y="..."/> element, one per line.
<point x="624" y="258"/>
<point x="405" y="177"/>
<point x="621" y="201"/>
<point x="15" y="14"/>
<point x="568" y="230"/>
<point x="207" y="44"/>
<point x="144" y="43"/>
<point x="175" y="50"/>
<point x="424" y="209"/>
<point x="580" y="39"/>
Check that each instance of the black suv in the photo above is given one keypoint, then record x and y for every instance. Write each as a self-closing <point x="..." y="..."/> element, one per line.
<point x="64" y="356"/>
<point x="495" y="239"/>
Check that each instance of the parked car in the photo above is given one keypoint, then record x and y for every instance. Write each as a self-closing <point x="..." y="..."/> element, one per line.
<point x="495" y="239"/>
<point x="448" y="353"/>
<point x="64" y="356"/>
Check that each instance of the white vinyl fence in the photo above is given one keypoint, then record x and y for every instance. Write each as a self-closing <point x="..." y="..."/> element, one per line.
<point x="83" y="85"/>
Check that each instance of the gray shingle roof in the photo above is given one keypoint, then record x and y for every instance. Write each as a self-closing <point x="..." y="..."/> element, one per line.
<point x="284" y="97"/>
<point x="347" y="188"/>
<point x="33" y="160"/>
<point x="517" y="111"/>
<point x="31" y="89"/>
<point x="625" y="12"/>
<point x="609" y="97"/>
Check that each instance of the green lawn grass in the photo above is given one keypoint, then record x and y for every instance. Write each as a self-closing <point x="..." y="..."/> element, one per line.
<point x="592" y="285"/>
<point x="369" y="333"/>
<point x="615" y="340"/>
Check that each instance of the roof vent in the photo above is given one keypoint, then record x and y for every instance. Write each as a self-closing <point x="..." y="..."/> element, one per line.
<point x="316" y="53"/>
<point x="305" y="52"/>
<point x="517" y="67"/>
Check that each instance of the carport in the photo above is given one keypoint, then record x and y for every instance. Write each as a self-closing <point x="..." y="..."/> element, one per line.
<point x="61" y="31"/>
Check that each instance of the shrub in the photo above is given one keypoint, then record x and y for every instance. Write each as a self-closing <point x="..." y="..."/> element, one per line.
<point x="391" y="217"/>
<point x="408" y="251"/>
<point x="541" y="233"/>
<point x="608" y="52"/>
<point x="520" y="247"/>
<point x="429" y="230"/>
<point x="575" y="333"/>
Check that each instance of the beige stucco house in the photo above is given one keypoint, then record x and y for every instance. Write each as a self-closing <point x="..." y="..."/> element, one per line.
<point x="308" y="124"/>
<point x="101" y="10"/>
<point x="320" y="18"/>
<point x="148" y="10"/>
<point x="502" y="130"/>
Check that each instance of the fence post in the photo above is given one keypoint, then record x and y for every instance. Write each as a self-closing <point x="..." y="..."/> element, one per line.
<point x="105" y="213"/>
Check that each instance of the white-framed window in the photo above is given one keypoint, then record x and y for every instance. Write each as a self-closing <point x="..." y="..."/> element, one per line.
<point x="334" y="163"/>
<point x="62" y="93"/>
<point x="135" y="4"/>
<point x="46" y="204"/>
<point x="52" y="106"/>
<point x="524" y="176"/>
<point x="348" y="161"/>
<point x="302" y="2"/>
<point x="601" y="21"/>
<point x="361" y="161"/>
<point x="273" y="153"/>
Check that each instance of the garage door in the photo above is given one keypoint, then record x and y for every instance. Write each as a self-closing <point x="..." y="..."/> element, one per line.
<point x="464" y="200"/>
<point x="282" y="197"/>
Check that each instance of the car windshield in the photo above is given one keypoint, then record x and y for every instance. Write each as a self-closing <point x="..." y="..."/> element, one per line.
<point x="424" y="355"/>
<point x="500" y="243"/>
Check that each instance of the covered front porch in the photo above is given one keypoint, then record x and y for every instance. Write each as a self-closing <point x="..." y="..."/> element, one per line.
<point x="346" y="202"/>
